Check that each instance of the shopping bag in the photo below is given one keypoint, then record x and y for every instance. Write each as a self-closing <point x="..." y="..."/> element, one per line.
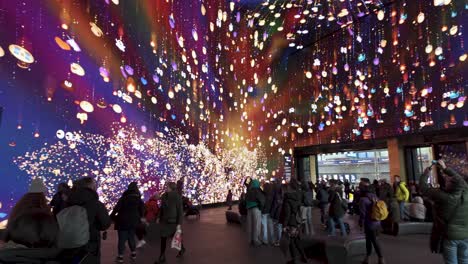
<point x="177" y="240"/>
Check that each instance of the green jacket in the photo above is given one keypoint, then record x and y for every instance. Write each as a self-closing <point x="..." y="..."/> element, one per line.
<point x="255" y="196"/>
<point x="445" y="206"/>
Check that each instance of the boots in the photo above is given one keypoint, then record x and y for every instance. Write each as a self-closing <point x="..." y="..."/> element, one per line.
<point x="365" y="261"/>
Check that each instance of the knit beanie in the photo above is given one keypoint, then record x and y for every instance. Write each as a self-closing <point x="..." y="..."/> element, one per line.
<point x="37" y="186"/>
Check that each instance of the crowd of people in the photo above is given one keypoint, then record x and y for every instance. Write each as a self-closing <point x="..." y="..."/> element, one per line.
<point x="71" y="227"/>
<point x="275" y="210"/>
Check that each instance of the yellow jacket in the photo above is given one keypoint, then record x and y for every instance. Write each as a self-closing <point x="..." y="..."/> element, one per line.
<point x="401" y="192"/>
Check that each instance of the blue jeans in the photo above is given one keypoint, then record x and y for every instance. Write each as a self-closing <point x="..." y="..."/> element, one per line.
<point x="267" y="229"/>
<point x="456" y="251"/>
<point x="402" y="210"/>
<point x="331" y="226"/>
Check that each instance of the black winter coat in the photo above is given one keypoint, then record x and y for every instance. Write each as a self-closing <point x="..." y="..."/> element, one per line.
<point x="336" y="205"/>
<point x="129" y="210"/>
<point x="277" y="204"/>
<point x="268" y="203"/>
<point x="171" y="213"/>
<point x="58" y="203"/>
<point x="291" y="207"/>
<point x="98" y="217"/>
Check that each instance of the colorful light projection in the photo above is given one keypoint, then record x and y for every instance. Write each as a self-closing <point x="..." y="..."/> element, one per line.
<point x="126" y="156"/>
<point x="257" y="74"/>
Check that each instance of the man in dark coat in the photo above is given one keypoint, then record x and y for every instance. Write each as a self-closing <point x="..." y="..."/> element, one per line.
<point x="291" y="208"/>
<point x="387" y="195"/>
<point x="322" y="197"/>
<point x="336" y="212"/>
<point x="84" y="194"/>
<point x="307" y="203"/>
<point x="170" y="218"/>
<point x="267" y="223"/>
<point x="58" y="202"/>
<point x="127" y="215"/>
<point x="450" y="214"/>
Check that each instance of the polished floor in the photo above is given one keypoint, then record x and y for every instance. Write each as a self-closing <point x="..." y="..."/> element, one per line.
<point x="211" y="240"/>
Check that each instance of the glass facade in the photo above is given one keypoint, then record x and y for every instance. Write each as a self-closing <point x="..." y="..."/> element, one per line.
<point x="372" y="164"/>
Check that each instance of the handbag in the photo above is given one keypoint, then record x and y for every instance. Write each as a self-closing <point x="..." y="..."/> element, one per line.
<point x="438" y="233"/>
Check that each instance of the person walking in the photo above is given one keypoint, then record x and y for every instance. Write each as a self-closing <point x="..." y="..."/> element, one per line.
<point x="402" y="195"/>
<point x="255" y="200"/>
<point x="291" y="226"/>
<point x="387" y="195"/>
<point x="59" y="201"/>
<point x="307" y="203"/>
<point x="371" y="226"/>
<point x="336" y="213"/>
<point x="34" y="199"/>
<point x="127" y="216"/>
<point x="276" y="207"/>
<point x="171" y="215"/>
<point x="450" y="229"/>
<point x="229" y="200"/>
<point x="267" y="224"/>
<point x="84" y="194"/>
<point x="322" y="197"/>
<point x="347" y="188"/>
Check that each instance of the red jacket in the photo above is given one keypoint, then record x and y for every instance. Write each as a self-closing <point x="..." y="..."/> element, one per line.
<point x="152" y="210"/>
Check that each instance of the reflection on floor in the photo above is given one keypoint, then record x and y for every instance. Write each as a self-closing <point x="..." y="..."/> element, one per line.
<point x="211" y="240"/>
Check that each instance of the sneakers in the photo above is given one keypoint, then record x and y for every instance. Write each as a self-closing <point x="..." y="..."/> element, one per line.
<point x="120" y="259"/>
<point x="133" y="255"/>
<point x="141" y="243"/>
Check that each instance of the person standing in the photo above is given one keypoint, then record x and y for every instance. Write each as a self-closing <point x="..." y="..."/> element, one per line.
<point x="402" y="195"/>
<point x="34" y="199"/>
<point x="291" y="209"/>
<point x="450" y="228"/>
<point x="386" y="194"/>
<point x="336" y="213"/>
<point x="308" y="202"/>
<point x="127" y="215"/>
<point x="171" y="215"/>
<point x="59" y="201"/>
<point x="84" y="194"/>
<point x="276" y="207"/>
<point x="347" y="188"/>
<point x="229" y="200"/>
<point x="267" y="224"/>
<point x="322" y="197"/>
<point x="255" y="200"/>
<point x="371" y="226"/>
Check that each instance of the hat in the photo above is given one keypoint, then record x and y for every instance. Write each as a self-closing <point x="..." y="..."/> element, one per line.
<point x="37" y="186"/>
<point x="133" y="186"/>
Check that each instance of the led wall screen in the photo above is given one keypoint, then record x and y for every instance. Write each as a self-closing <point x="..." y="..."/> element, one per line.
<point x="214" y="91"/>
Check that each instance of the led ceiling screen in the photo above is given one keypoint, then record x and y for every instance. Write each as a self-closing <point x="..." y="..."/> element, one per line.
<point x="214" y="91"/>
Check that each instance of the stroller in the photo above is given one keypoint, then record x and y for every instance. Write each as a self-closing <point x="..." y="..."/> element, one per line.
<point x="189" y="208"/>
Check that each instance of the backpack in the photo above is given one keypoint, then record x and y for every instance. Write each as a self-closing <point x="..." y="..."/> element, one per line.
<point x="74" y="227"/>
<point x="379" y="210"/>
